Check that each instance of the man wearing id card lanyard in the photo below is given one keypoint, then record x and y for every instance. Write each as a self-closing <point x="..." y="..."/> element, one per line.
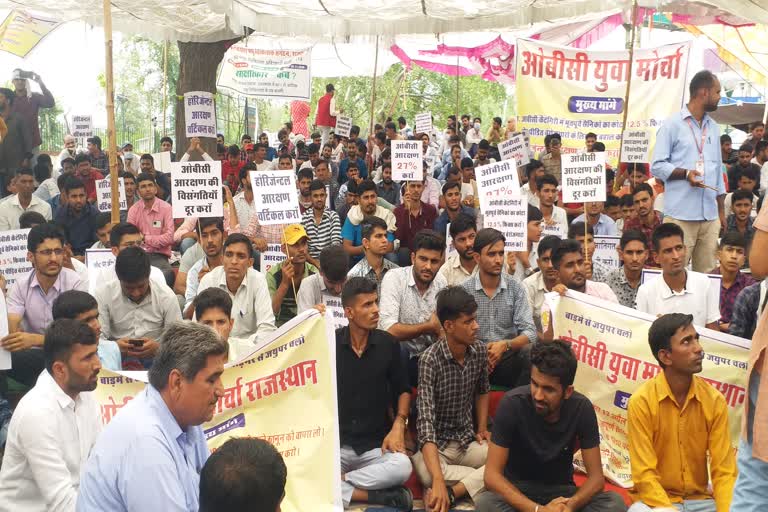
<point x="687" y="158"/>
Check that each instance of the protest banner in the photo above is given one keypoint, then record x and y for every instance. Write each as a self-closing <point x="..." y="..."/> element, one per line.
<point x="5" y="356"/>
<point x="20" y="32"/>
<point x="511" y="218"/>
<point x="343" y="126"/>
<point x="715" y="282"/>
<point x="635" y="146"/>
<point x="605" y="250"/>
<point x="334" y="311"/>
<point x="407" y="161"/>
<point x="82" y="127"/>
<point x="615" y="359"/>
<point x="162" y="161"/>
<point x="495" y="182"/>
<point x="294" y="370"/>
<point x="200" y="114"/>
<point x="104" y="195"/>
<point x="423" y="123"/>
<point x="96" y="261"/>
<point x="275" y="197"/>
<point x="274" y="255"/>
<point x="515" y="149"/>
<point x="584" y="91"/>
<point x="583" y="177"/>
<point x="266" y="73"/>
<point x="196" y="189"/>
<point x="13" y="255"/>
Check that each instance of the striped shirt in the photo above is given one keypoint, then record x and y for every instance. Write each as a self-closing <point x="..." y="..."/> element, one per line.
<point x="363" y="269"/>
<point x="322" y="235"/>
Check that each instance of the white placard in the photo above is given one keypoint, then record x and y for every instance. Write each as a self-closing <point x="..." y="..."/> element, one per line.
<point x="515" y="149"/>
<point x="104" y="195"/>
<point x="343" y="126"/>
<point x="583" y="177"/>
<point x="496" y="181"/>
<point x="5" y="356"/>
<point x="423" y="123"/>
<point x="271" y="257"/>
<point x="199" y="114"/>
<point x="450" y="248"/>
<point x="527" y="140"/>
<point x="715" y="282"/>
<point x="196" y="189"/>
<point x="635" y="146"/>
<point x="510" y="216"/>
<point x="334" y="311"/>
<point x="82" y="126"/>
<point x="605" y="250"/>
<point x="96" y="261"/>
<point x="275" y="197"/>
<point x="13" y="255"/>
<point x="162" y="161"/>
<point x="407" y="161"/>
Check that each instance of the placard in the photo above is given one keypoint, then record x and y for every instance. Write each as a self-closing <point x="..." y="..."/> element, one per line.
<point x="583" y="177"/>
<point x="511" y="218"/>
<point x="275" y="197"/>
<point x="162" y="161"/>
<point x="423" y="123"/>
<point x="104" y="195"/>
<point x="5" y="356"/>
<point x="13" y="255"/>
<point x="266" y="73"/>
<point x="406" y="160"/>
<point x="82" y="126"/>
<point x="496" y="181"/>
<point x="196" y="189"/>
<point x="334" y="311"/>
<point x="605" y="250"/>
<point x="515" y="149"/>
<point x="715" y="282"/>
<point x="274" y="255"/>
<point x="200" y="114"/>
<point x="96" y="261"/>
<point x="343" y="126"/>
<point x="450" y="249"/>
<point x="635" y="146"/>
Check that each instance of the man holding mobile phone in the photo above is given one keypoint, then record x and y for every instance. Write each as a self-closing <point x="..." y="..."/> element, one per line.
<point x="27" y="105"/>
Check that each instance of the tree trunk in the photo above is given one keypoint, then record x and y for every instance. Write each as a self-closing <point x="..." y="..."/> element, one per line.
<point x="197" y="72"/>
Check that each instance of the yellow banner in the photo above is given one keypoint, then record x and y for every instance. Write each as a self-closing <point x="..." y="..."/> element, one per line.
<point x="20" y="32"/>
<point x="611" y="344"/>
<point x="572" y="92"/>
<point x="285" y="392"/>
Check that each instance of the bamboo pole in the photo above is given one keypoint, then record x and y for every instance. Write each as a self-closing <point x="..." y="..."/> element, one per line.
<point x="111" y="136"/>
<point x="373" y="92"/>
<point x="165" y="85"/>
<point x="629" y="77"/>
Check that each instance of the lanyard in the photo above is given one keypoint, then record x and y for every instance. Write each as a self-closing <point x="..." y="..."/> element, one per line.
<point x="699" y="148"/>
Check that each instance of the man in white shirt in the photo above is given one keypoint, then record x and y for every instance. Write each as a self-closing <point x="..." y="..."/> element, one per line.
<point x="23" y="201"/>
<point x="678" y="290"/>
<point x="555" y="219"/>
<point x="334" y="264"/>
<point x="54" y="426"/>
<point x="133" y="311"/>
<point x="533" y="170"/>
<point x="461" y="265"/>
<point x="251" y="303"/>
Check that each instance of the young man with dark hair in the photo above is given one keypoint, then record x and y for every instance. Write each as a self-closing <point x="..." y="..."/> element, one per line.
<point x="542" y="282"/>
<point x="154" y="218"/>
<point x="602" y="224"/>
<point x="679" y="438"/>
<point x="746" y="181"/>
<point x="589" y="141"/>
<point x="212" y="241"/>
<point x="504" y="313"/>
<point x="303" y="181"/>
<point x="453" y="207"/>
<point x="162" y="181"/>
<point x="388" y="189"/>
<point x="555" y="221"/>
<point x="329" y="280"/>
<point x="411" y="217"/>
<point x="23" y="201"/>
<point x="534" y="170"/>
<point x="453" y="383"/>
<point x="596" y="270"/>
<point x="213" y="307"/>
<point x="166" y="144"/>
<point x="230" y="168"/>
<point x="96" y="157"/>
<point x="243" y="471"/>
<point x="647" y="218"/>
<point x="535" y="434"/>
<point x="320" y="222"/>
<point x="627" y="209"/>
<point x="29" y="220"/>
<point x="731" y="253"/>
<point x="625" y="280"/>
<point x="372" y="384"/>
<point x="374" y="265"/>
<point x="677" y="289"/>
<point x="351" y="230"/>
<point x="324" y="174"/>
<point x="55" y="424"/>
<point x="78" y="215"/>
<point x="740" y="216"/>
<point x="102" y="224"/>
<point x="461" y="265"/>
<point x="352" y="158"/>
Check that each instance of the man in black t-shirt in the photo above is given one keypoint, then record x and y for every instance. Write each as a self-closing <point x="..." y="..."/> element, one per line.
<point x="536" y="431"/>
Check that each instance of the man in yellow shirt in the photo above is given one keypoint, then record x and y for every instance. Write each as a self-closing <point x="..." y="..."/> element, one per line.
<point x="675" y="420"/>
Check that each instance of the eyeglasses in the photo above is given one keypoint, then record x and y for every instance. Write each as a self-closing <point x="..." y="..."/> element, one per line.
<point x="49" y="252"/>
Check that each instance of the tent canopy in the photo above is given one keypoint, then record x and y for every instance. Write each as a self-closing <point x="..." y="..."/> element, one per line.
<point x="215" y="20"/>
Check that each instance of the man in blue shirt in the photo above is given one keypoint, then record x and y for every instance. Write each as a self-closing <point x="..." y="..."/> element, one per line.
<point x="78" y="215"/>
<point x="352" y="157"/>
<point x="601" y="223"/>
<point x="150" y="455"/>
<point x="687" y="159"/>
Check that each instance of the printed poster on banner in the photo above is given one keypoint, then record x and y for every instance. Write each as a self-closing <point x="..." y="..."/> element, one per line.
<point x="334" y="311"/>
<point x="13" y="255"/>
<point x="407" y="161"/>
<point x="605" y="250"/>
<point x="515" y="149"/>
<point x="635" y="146"/>
<point x="583" y="177"/>
<point x="200" y="114"/>
<point x="496" y="182"/>
<point x="423" y="123"/>
<point x="294" y="371"/>
<point x="584" y="92"/>
<point x="104" y="195"/>
<point x="274" y="255"/>
<point x="511" y="218"/>
<point x="196" y="189"/>
<point x="266" y="73"/>
<point x="20" y="32"/>
<point x="343" y="126"/>
<point x="275" y="197"/>
<point x="611" y="344"/>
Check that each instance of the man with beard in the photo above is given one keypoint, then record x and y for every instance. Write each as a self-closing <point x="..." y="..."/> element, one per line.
<point x="320" y="222"/>
<point x="388" y="189"/>
<point x="162" y="181"/>
<point x="284" y="280"/>
<point x="150" y="455"/>
<point x="453" y="207"/>
<point x="55" y="424"/>
<point x="542" y="282"/>
<point x="409" y="296"/>
<point x="625" y="280"/>
<point x="679" y="438"/>
<point x="212" y="242"/>
<point x="647" y="218"/>
<point x="536" y="432"/>
<point x="461" y="265"/>
<point x="88" y="174"/>
<point x="351" y="233"/>
<point x="352" y="158"/>
<point x="303" y="179"/>
<point x="504" y="313"/>
<point x="96" y="157"/>
<point x="323" y="173"/>
<point x="374" y="265"/>
<point x="687" y="159"/>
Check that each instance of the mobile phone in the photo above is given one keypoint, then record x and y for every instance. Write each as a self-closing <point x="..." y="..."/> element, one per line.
<point x="138" y="343"/>
<point x="27" y="74"/>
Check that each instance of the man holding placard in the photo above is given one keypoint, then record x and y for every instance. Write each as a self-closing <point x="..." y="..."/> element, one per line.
<point x="284" y="280"/>
<point x="334" y="264"/>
